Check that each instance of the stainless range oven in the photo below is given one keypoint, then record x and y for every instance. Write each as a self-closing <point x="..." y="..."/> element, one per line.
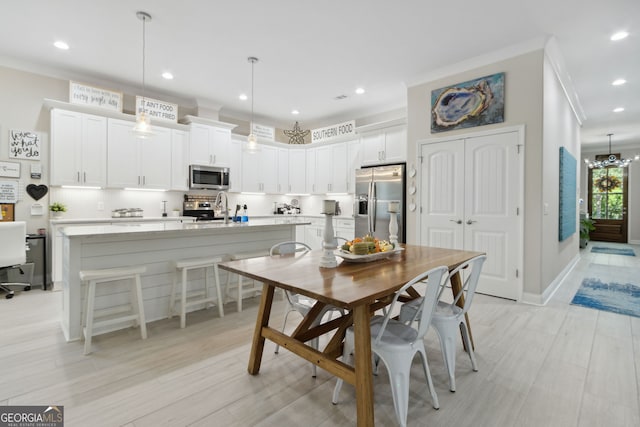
<point x="202" y="208"/>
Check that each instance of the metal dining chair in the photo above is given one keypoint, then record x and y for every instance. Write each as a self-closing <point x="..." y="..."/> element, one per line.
<point x="396" y="343"/>
<point x="297" y="302"/>
<point x="449" y="318"/>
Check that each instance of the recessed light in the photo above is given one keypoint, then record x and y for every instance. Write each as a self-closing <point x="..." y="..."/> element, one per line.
<point x="618" y="110"/>
<point x="295" y="112"/>
<point x="619" y="82"/>
<point x="360" y="91"/>
<point x="619" y="36"/>
<point x="243" y="97"/>
<point x="167" y="75"/>
<point x="61" y="45"/>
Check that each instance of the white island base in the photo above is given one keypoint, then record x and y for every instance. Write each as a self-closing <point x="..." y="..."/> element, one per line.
<point x="154" y="246"/>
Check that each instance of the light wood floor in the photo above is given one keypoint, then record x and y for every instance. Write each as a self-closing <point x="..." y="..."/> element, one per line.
<point x="557" y="365"/>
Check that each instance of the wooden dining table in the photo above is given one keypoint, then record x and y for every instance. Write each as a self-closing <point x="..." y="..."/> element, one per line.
<point x="359" y="288"/>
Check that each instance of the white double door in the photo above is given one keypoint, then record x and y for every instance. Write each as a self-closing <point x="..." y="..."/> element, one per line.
<point x="471" y="199"/>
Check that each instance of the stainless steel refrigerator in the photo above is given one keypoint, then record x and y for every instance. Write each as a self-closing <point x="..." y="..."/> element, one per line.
<point x="376" y="186"/>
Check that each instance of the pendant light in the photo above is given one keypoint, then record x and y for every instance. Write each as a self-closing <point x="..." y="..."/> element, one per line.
<point x="611" y="160"/>
<point x="142" y="129"/>
<point x="252" y="141"/>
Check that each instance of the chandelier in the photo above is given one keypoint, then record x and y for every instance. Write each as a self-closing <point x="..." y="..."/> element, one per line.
<point x="611" y="160"/>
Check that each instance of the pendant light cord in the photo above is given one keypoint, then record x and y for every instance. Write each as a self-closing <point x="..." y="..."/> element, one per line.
<point x="144" y="43"/>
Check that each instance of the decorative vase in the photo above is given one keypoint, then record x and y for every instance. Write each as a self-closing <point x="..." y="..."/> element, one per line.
<point x="56" y="214"/>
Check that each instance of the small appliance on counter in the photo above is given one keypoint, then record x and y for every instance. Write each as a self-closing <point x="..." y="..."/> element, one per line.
<point x="287" y="209"/>
<point x="202" y="208"/>
<point x="127" y="213"/>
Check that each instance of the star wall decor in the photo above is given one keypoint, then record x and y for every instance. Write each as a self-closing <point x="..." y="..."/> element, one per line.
<point x="296" y="135"/>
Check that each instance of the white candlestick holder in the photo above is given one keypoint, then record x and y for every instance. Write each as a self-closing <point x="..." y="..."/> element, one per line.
<point x="328" y="259"/>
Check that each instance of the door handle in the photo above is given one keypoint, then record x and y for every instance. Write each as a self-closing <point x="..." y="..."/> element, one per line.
<point x="457" y="221"/>
<point x="469" y="222"/>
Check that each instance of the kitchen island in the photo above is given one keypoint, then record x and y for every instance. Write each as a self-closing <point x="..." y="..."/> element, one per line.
<point x="155" y="246"/>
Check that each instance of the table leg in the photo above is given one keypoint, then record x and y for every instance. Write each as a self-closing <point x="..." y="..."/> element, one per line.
<point x="262" y="320"/>
<point x="456" y="285"/>
<point x="364" y="370"/>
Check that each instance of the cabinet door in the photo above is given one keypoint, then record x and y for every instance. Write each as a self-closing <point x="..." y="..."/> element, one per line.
<point x="324" y="169"/>
<point x="155" y="159"/>
<point x="313" y="236"/>
<point x="66" y="143"/>
<point x="310" y="160"/>
<point x="199" y="149"/>
<point x="94" y="151"/>
<point x="123" y="166"/>
<point x="179" y="160"/>
<point x="297" y="172"/>
<point x="250" y="172"/>
<point x="339" y="164"/>
<point x="372" y="148"/>
<point x="269" y="169"/>
<point x="353" y="148"/>
<point x="283" y="171"/>
<point x="220" y="142"/>
<point x="395" y="145"/>
<point x="235" y="167"/>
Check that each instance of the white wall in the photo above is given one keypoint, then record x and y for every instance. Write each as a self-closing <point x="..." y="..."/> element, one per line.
<point x="523" y="105"/>
<point x="560" y="129"/>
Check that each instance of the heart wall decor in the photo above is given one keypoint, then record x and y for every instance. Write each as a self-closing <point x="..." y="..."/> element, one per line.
<point x="37" y="191"/>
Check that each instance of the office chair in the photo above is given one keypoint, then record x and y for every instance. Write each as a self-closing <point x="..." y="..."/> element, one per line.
<point x="13" y="251"/>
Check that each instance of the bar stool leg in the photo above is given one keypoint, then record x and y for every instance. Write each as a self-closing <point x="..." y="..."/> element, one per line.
<point x="88" y="331"/>
<point x="216" y="277"/>
<point x="141" y="317"/>
<point x="172" y="296"/>
<point x="183" y="306"/>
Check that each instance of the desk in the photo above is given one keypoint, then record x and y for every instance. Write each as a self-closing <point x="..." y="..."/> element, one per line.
<point x="360" y="288"/>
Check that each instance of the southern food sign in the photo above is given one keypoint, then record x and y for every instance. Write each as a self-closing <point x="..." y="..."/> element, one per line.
<point x="334" y="131"/>
<point x="474" y="103"/>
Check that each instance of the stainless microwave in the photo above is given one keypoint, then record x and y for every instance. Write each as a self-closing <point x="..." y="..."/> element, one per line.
<point x="208" y="178"/>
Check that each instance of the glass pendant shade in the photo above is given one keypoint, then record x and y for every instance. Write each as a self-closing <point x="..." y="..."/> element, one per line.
<point x="142" y="128"/>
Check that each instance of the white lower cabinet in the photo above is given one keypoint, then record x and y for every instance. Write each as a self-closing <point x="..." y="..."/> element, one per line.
<point x="314" y="232"/>
<point x="138" y="163"/>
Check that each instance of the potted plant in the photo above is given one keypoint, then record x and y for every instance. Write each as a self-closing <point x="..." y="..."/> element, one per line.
<point x="57" y="209"/>
<point x="586" y="227"/>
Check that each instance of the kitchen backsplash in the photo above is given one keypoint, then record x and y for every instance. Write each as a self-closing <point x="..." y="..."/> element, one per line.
<point x="89" y="203"/>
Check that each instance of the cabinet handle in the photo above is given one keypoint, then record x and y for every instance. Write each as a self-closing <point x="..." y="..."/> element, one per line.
<point x="138" y="179"/>
<point x="469" y="222"/>
<point x="78" y="178"/>
<point x="456" y="221"/>
<point x="85" y="177"/>
<point x="144" y="180"/>
<point x="214" y="159"/>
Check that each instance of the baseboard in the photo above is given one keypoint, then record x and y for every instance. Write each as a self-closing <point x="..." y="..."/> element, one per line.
<point x="543" y="299"/>
<point x="634" y="242"/>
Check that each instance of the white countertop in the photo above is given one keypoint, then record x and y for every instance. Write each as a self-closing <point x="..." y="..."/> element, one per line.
<point x="155" y="227"/>
<point x="62" y="221"/>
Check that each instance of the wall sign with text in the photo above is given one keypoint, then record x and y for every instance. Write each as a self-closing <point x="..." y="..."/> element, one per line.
<point x="94" y="96"/>
<point x="335" y="131"/>
<point x="10" y="169"/>
<point x="157" y="110"/>
<point x="24" y="145"/>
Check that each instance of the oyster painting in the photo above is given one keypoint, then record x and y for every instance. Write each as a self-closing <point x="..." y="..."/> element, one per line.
<point x="474" y="103"/>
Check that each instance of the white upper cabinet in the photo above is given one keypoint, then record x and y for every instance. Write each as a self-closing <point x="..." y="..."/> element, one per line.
<point x="138" y="163"/>
<point x="384" y="146"/>
<point x="327" y="169"/>
<point x="353" y="163"/>
<point x="282" y="186"/>
<point x="209" y="145"/>
<point x="78" y="149"/>
<point x="235" y="166"/>
<point x="297" y="171"/>
<point x="259" y="170"/>
<point x="179" y="160"/>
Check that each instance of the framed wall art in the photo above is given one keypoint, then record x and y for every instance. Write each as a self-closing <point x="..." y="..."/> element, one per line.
<point x="9" y="170"/>
<point x="468" y="104"/>
<point x="567" y="217"/>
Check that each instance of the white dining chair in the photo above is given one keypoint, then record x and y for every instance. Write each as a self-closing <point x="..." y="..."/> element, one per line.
<point x="297" y="302"/>
<point x="396" y="343"/>
<point x="449" y="318"/>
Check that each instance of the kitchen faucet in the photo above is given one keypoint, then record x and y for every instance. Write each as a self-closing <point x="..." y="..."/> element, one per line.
<point x="226" y="205"/>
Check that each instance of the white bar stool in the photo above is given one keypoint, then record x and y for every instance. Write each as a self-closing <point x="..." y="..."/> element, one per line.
<point x="182" y="267"/>
<point x="244" y="287"/>
<point x="110" y="275"/>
